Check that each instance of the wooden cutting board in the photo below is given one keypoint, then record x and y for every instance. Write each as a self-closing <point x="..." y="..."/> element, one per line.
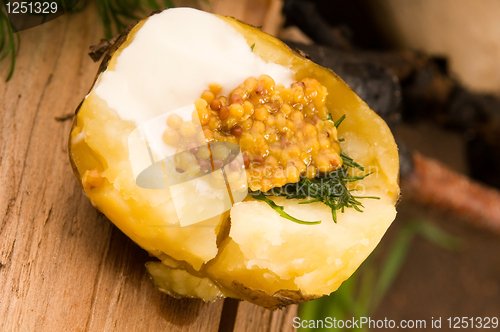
<point x="63" y="265"/>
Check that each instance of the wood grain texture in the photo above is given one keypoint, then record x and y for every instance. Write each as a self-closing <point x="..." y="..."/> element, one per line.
<point x="253" y="12"/>
<point x="63" y="266"/>
<point x="254" y="318"/>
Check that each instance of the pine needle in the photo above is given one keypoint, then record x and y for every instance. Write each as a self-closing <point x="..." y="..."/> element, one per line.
<point x="9" y="42"/>
<point x="115" y="17"/>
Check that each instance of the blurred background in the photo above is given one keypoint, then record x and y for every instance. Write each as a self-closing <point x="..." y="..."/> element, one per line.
<point x="430" y="68"/>
<point x="433" y="262"/>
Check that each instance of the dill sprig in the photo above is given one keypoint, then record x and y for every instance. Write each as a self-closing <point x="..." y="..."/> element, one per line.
<point x="349" y="162"/>
<point x="330" y="189"/>
<point x="260" y="196"/>
<point x="339" y="121"/>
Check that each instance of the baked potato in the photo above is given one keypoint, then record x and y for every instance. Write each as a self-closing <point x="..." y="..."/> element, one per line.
<point x="252" y="249"/>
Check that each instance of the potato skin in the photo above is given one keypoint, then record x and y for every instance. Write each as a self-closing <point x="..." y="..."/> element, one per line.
<point x="277" y="300"/>
<point x="306" y="68"/>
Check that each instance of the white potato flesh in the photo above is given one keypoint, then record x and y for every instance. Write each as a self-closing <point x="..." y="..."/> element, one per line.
<point x="316" y="257"/>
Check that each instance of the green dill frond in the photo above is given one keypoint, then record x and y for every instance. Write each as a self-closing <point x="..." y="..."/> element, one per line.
<point x="349" y="162"/>
<point x="9" y="42"/>
<point x="260" y="196"/>
<point x="332" y="189"/>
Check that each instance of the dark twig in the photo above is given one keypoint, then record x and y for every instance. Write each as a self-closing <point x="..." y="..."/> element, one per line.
<point x="434" y="184"/>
